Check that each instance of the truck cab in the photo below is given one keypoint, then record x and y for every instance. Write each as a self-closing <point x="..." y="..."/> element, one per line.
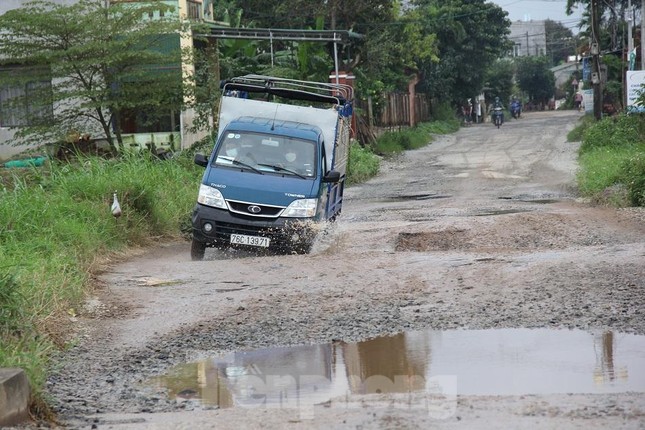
<point x="277" y="169"/>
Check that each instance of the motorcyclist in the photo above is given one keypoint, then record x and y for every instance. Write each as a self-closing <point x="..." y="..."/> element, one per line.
<point x="516" y="108"/>
<point x="497" y="106"/>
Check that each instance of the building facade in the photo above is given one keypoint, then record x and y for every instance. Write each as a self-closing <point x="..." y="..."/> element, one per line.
<point x="173" y="133"/>
<point x="529" y="38"/>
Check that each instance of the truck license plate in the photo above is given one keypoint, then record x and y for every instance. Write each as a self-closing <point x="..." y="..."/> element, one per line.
<point x="242" y="239"/>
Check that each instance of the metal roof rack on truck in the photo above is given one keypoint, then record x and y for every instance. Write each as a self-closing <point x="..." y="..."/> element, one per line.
<point x="323" y="92"/>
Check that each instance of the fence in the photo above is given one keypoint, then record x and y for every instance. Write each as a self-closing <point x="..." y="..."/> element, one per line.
<point x="394" y="110"/>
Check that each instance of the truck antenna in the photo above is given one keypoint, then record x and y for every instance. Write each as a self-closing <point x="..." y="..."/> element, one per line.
<point x="274" y="116"/>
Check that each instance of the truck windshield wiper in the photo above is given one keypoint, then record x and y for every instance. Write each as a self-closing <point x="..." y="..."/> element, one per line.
<point x="282" y="169"/>
<point x="242" y="163"/>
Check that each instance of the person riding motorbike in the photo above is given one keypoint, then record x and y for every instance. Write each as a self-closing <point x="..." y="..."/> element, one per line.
<point x="497" y="109"/>
<point x="516" y="108"/>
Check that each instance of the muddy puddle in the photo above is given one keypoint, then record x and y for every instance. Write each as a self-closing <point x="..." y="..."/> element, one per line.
<point x="447" y="363"/>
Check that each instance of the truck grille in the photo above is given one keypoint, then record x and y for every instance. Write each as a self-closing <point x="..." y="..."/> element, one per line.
<point x="251" y="209"/>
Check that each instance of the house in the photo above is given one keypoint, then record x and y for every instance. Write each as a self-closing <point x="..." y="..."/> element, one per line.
<point x="7" y="117"/>
<point x="171" y="131"/>
<point x="563" y="72"/>
<point x="529" y="38"/>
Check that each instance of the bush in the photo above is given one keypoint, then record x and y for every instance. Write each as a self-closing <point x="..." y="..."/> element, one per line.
<point x="612" y="160"/>
<point x="613" y="131"/>
<point x="11" y="306"/>
<point x="363" y="164"/>
<point x="600" y="169"/>
<point x="633" y="176"/>
<point x="392" y="142"/>
<point x="55" y="224"/>
<point x="395" y="142"/>
<point x="576" y="134"/>
<point x="443" y="112"/>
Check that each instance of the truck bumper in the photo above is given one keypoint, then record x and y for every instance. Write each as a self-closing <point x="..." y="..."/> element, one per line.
<point x="283" y="232"/>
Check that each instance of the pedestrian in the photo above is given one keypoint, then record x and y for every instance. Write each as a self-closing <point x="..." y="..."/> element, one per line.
<point x="577" y="101"/>
<point x="481" y="108"/>
<point x="468" y="112"/>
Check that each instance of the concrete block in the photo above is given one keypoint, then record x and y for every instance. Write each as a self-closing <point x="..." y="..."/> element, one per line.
<point x="14" y="396"/>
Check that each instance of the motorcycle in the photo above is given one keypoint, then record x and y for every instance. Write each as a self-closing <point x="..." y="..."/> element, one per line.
<point x="498" y="116"/>
<point x="515" y="110"/>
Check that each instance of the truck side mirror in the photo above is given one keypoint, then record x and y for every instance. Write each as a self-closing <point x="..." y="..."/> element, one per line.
<point x="201" y="160"/>
<point x="331" y="176"/>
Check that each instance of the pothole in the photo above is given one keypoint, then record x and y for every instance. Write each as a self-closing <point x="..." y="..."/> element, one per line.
<point x="537" y="199"/>
<point x="495" y="212"/>
<point x="407" y="197"/>
<point x="433" y="241"/>
<point x="437" y="365"/>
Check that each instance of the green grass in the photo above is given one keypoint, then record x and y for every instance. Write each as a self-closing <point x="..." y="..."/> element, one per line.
<point x="56" y="223"/>
<point x="363" y="164"/>
<point x="395" y="142"/>
<point x="612" y="160"/>
<point x="575" y="135"/>
<point x="600" y="170"/>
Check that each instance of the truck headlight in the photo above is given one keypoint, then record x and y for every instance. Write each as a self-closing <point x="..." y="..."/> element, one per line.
<point x="303" y="208"/>
<point x="210" y="196"/>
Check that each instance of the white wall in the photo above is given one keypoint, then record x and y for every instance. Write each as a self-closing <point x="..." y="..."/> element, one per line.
<point x="6" y="5"/>
<point x="6" y="134"/>
<point x="530" y="36"/>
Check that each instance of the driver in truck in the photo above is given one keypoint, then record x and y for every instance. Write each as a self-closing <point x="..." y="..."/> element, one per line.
<point x="236" y="149"/>
<point x="232" y="148"/>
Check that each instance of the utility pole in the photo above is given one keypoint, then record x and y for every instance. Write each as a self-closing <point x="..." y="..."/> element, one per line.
<point x="642" y="33"/>
<point x="630" y="22"/>
<point x="630" y="48"/>
<point x="596" y="80"/>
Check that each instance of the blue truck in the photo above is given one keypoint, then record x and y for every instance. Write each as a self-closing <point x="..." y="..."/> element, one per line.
<point x="278" y="166"/>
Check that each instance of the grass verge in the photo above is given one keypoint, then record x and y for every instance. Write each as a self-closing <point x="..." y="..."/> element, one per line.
<point x="55" y="225"/>
<point x="612" y="160"/>
<point x="395" y="142"/>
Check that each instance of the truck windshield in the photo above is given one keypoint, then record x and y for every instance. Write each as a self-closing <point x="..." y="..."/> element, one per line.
<point x="271" y="154"/>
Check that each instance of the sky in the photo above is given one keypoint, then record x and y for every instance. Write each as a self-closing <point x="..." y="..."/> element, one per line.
<point x="537" y="10"/>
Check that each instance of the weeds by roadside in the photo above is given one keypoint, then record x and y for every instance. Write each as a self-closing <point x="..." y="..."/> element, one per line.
<point x="612" y="160"/>
<point x="575" y="135"/>
<point x="55" y="223"/>
<point x="395" y="142"/>
<point x="363" y="164"/>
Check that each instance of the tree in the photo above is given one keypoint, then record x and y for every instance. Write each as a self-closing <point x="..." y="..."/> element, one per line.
<point x="367" y="17"/>
<point x="560" y="42"/>
<point x="499" y="80"/>
<point x="613" y="88"/>
<point x="471" y="35"/>
<point x="535" y="78"/>
<point x="101" y="63"/>
<point x="612" y="14"/>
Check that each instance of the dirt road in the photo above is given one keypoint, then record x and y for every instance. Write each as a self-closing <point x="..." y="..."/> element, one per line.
<point x="479" y="230"/>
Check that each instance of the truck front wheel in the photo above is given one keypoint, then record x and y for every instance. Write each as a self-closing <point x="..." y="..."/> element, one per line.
<point x="197" y="250"/>
<point x="303" y="247"/>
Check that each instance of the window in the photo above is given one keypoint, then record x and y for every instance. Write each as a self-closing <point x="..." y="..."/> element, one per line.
<point x="194" y="9"/>
<point x="24" y="104"/>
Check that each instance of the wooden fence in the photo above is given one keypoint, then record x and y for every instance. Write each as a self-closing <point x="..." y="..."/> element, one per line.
<point x="394" y="110"/>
